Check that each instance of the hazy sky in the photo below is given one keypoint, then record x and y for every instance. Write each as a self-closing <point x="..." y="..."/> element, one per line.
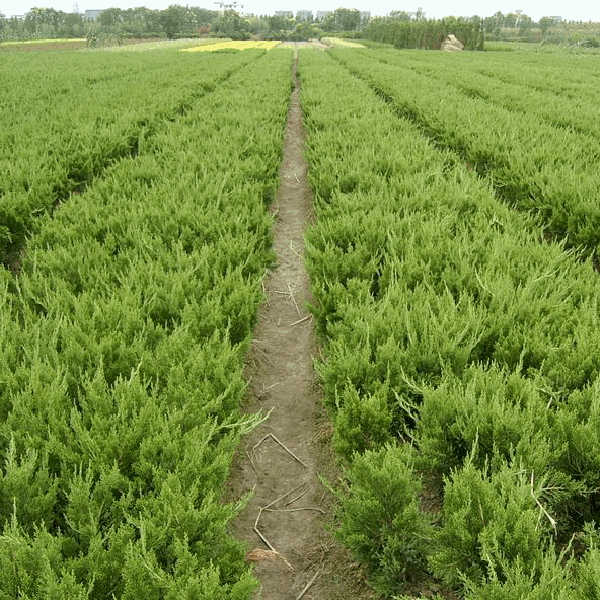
<point x="577" y="10"/>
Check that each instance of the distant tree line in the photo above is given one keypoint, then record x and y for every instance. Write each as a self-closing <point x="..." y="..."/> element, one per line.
<point x="398" y="28"/>
<point x="550" y="30"/>
<point x="177" y="21"/>
<point x="407" y="31"/>
<point x="132" y="22"/>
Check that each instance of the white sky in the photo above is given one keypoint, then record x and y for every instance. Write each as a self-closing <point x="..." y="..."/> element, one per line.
<point x="577" y="10"/>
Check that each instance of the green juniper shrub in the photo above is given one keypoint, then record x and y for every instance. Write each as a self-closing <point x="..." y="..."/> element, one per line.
<point x="490" y="520"/>
<point x="587" y="573"/>
<point x="362" y="422"/>
<point x="380" y="518"/>
<point x="549" y="581"/>
<point x="493" y="411"/>
<point x="578" y="432"/>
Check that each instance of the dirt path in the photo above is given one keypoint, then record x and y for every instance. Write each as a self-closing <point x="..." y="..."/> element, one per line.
<point x="283" y="458"/>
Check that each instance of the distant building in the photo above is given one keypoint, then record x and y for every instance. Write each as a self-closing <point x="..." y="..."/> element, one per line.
<point x="556" y="19"/>
<point x="303" y="15"/>
<point x="19" y="17"/>
<point x="365" y="15"/>
<point x="289" y="14"/>
<point x="323" y="14"/>
<point x="92" y="15"/>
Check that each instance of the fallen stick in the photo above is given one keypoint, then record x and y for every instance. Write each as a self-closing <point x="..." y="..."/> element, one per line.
<point x="294" y="251"/>
<point x="264" y="539"/>
<point x="294" y="300"/>
<point x="252" y="464"/>
<point x="308" y="584"/>
<point x="264" y="389"/>
<point x="282" y="497"/>
<point x="302" y="556"/>
<point x="294" y="509"/>
<point x="300" y="320"/>
<point x="283" y="446"/>
<point x="260" y="511"/>
<point x="296" y="498"/>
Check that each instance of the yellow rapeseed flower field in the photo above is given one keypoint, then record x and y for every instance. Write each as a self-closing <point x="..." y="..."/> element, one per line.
<point x="334" y="41"/>
<point x="232" y="45"/>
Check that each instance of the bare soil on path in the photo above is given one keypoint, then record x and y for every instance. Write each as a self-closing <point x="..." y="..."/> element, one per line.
<point x="285" y="522"/>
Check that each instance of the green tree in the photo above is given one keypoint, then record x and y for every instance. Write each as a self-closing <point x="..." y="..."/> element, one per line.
<point x="203" y="16"/>
<point x="525" y="23"/>
<point x="110" y="17"/>
<point x="494" y="23"/>
<point x="279" y="27"/>
<point x="151" y="20"/>
<point x="398" y="15"/>
<point x="73" y="25"/>
<point x="545" y="24"/>
<point x="172" y="19"/>
<point x="510" y="20"/>
<point x="233" y="25"/>
<point x="43" y="21"/>
<point x="342" y="19"/>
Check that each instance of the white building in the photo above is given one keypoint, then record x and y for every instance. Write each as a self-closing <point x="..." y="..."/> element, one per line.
<point x="92" y="15"/>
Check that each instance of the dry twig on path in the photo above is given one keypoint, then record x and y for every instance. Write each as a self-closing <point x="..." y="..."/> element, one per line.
<point x="301" y="320"/>
<point x="309" y="584"/>
<point x="296" y="498"/>
<point x="294" y="300"/>
<point x="252" y="463"/>
<point x="294" y="509"/>
<point x="263" y="508"/>
<point x="282" y="445"/>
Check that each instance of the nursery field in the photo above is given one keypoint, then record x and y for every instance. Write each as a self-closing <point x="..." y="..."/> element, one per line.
<point x="453" y="260"/>
<point x="452" y="264"/>
<point x="126" y="316"/>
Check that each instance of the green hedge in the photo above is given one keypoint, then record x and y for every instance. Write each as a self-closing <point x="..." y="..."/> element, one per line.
<point x="426" y="34"/>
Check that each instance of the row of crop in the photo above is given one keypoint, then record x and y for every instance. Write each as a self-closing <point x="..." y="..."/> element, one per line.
<point x="569" y="75"/>
<point x="565" y="74"/>
<point x="533" y="165"/>
<point x="121" y="350"/>
<point x="575" y="113"/>
<point x="66" y="120"/>
<point x="449" y="325"/>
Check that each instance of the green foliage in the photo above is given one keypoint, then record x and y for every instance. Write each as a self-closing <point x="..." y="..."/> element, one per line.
<point x="485" y="415"/>
<point x="538" y="166"/>
<point x="446" y="321"/>
<point x="550" y="581"/>
<point x="489" y="524"/>
<point x="133" y="309"/>
<point x="93" y="125"/>
<point x="425" y="34"/>
<point x="588" y="571"/>
<point x="381" y="521"/>
<point x="361" y="423"/>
